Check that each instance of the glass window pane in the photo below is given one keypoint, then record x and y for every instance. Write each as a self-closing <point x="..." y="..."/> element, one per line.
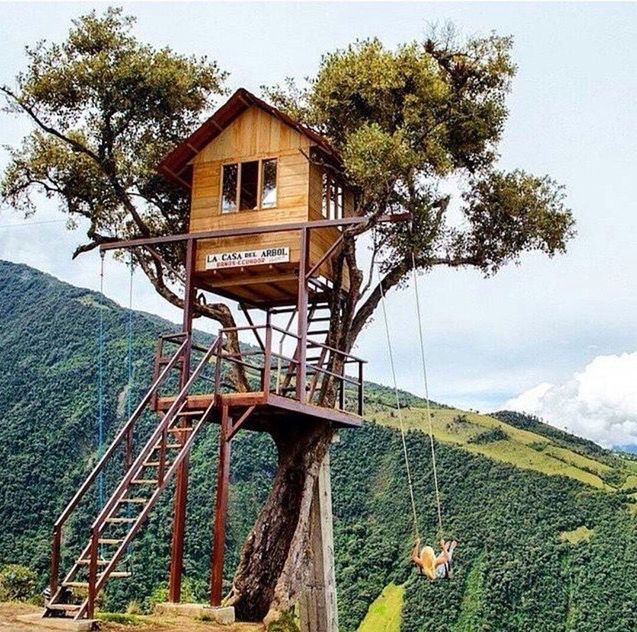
<point x="268" y="190"/>
<point x="249" y="185"/>
<point x="229" y="196"/>
<point x="333" y="211"/>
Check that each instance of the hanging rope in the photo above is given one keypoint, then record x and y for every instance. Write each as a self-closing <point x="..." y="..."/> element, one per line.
<point x="100" y="388"/>
<point x="400" y="414"/>
<point x="428" y="407"/>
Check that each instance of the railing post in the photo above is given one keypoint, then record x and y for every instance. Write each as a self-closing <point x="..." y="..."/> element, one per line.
<point x="267" y="360"/>
<point x="218" y="362"/>
<point x="92" y="573"/>
<point x="301" y="394"/>
<point x="55" y="560"/>
<point x="221" y="508"/>
<point x="341" y="394"/>
<point x="181" y="479"/>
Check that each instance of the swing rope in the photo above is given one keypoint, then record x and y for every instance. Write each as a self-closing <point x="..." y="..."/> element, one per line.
<point x="100" y="388"/>
<point x="400" y="414"/>
<point x="428" y="407"/>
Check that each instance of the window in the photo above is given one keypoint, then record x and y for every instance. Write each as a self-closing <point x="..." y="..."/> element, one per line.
<point x="248" y="186"/>
<point x="268" y="188"/>
<point x="229" y="196"/>
<point x="333" y="198"/>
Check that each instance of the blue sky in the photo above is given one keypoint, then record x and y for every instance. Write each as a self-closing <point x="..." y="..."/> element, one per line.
<point x="572" y="116"/>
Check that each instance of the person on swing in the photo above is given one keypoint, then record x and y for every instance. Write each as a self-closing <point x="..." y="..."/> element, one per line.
<point x="431" y="565"/>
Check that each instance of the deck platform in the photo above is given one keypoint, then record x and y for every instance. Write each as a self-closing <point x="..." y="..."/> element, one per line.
<point x="269" y="409"/>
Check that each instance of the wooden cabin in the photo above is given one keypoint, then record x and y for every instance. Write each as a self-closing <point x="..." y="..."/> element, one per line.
<point x="251" y="165"/>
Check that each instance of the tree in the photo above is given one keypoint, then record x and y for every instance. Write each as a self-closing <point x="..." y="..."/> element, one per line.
<point x="408" y="123"/>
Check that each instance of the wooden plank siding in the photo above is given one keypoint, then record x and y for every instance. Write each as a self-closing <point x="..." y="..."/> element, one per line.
<point x="258" y="135"/>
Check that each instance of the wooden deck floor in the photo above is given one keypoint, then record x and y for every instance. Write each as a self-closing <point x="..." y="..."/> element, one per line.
<point x="269" y="408"/>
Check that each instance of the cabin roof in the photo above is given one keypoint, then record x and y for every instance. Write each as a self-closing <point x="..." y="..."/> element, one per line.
<point x="175" y="164"/>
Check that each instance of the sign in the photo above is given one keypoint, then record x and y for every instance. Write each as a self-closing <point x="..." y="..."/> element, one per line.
<point x="221" y="260"/>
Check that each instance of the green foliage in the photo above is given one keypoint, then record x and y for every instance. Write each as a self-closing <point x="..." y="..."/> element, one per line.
<point x="515" y="569"/>
<point x="120" y="618"/>
<point x="105" y="109"/>
<point x="407" y="118"/>
<point x="17" y="583"/>
<point x="489" y="436"/>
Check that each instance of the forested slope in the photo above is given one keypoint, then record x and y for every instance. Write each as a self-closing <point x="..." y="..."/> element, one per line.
<point x="544" y="520"/>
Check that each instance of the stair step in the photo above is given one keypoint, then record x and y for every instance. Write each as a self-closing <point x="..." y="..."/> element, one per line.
<point x="109" y="541"/>
<point x="64" y="607"/>
<point x="87" y="562"/>
<point x="135" y="501"/>
<point x="144" y="481"/>
<point x="155" y="463"/>
<point x="178" y="430"/>
<point x="189" y="413"/>
<point x="169" y="446"/>
<point x="121" y="520"/>
<point x="116" y="574"/>
<point x="75" y="584"/>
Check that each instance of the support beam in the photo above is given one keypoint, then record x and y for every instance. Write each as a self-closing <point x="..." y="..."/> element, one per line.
<point x="319" y="611"/>
<point x="181" y="478"/>
<point x="221" y="508"/>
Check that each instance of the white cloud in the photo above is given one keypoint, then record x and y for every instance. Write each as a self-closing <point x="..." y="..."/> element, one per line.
<point x="599" y="403"/>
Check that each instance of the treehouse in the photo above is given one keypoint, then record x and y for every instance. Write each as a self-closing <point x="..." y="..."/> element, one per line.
<point x="268" y="211"/>
<point x="249" y="169"/>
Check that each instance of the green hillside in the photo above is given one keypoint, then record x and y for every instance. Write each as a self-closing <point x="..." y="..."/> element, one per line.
<point x="547" y="536"/>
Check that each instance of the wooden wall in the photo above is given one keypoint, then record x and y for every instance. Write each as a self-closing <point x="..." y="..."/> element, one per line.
<point x="254" y="135"/>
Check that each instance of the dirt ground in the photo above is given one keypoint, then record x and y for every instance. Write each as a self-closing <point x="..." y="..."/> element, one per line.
<point x="9" y="623"/>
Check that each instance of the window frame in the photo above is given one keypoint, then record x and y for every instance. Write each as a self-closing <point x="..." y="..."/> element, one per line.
<point x="328" y="184"/>
<point x="237" y="209"/>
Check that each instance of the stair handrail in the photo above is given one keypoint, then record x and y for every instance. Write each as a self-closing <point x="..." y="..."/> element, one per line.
<point x="99" y="466"/>
<point x="147" y="449"/>
<point x="95" y="529"/>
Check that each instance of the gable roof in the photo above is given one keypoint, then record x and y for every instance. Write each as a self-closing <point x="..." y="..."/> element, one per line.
<point x="175" y="164"/>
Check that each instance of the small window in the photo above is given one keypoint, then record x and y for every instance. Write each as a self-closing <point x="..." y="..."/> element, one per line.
<point x="268" y="188"/>
<point x="229" y="197"/>
<point x="332" y="206"/>
<point x="249" y="185"/>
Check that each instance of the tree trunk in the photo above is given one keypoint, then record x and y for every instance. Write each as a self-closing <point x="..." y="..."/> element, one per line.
<point x="274" y="558"/>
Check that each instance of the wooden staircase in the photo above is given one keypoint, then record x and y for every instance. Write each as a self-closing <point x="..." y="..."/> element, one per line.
<point x="145" y="477"/>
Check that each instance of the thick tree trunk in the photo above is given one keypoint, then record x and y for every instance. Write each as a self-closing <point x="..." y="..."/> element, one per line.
<point x="274" y="558"/>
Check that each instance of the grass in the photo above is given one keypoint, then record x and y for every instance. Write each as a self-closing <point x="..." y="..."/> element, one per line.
<point x="121" y="618"/>
<point x="472" y="600"/>
<point x="385" y="612"/>
<point x="522" y="448"/>
<point x="581" y="534"/>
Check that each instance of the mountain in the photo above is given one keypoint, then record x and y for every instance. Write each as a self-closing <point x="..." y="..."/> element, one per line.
<point x="545" y="520"/>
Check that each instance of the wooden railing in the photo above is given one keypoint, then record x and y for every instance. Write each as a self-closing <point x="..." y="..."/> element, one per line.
<point x="277" y="373"/>
<point x="124" y="436"/>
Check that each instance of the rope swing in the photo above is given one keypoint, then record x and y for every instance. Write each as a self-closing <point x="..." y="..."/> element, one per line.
<point x="428" y="406"/>
<point x="421" y="337"/>
<point x="400" y="414"/>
